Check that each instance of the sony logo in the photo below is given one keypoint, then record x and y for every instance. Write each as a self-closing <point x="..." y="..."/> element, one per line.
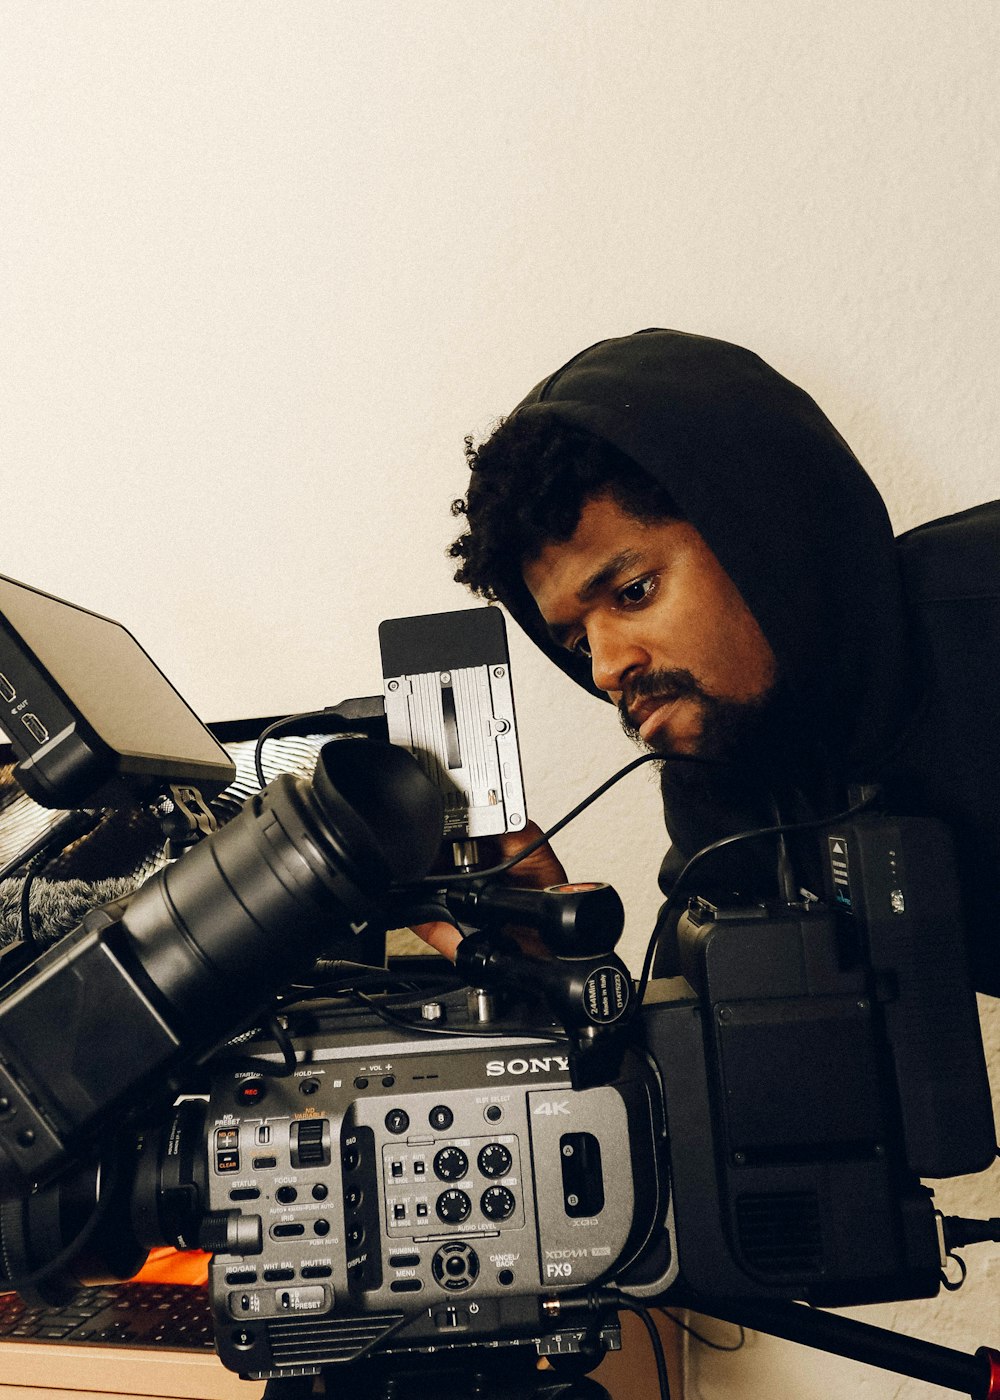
<point x="544" y="1064"/>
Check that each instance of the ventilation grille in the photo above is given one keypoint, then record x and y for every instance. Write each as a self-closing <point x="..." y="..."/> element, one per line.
<point x="303" y="1341"/>
<point x="779" y="1233"/>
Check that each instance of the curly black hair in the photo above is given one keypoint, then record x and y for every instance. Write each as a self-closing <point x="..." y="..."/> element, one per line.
<point x="529" y="482"/>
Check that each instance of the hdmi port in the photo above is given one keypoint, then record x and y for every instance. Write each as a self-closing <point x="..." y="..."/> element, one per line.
<point x="35" y="727"/>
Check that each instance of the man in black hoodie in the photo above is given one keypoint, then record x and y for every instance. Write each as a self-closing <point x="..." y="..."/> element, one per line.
<point x="685" y="533"/>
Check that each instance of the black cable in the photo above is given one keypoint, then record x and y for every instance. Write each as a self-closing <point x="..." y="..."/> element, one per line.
<point x="72" y="827"/>
<point x="960" y="1230"/>
<point x="779" y="830"/>
<point x="699" y="1337"/>
<point x="283" y="1041"/>
<point x="253" y="1064"/>
<point x="645" y="1317"/>
<point x="27" y="1283"/>
<point x="434" y="1028"/>
<point x="461" y="875"/>
<point x="786" y="876"/>
<point x="271" y="729"/>
<point x="673" y="898"/>
<point x="952" y="1285"/>
<point x="257" y="1064"/>
<point x="68" y="828"/>
<point x="328" y="982"/>
<point x="34" y="869"/>
<point x="594" y="1301"/>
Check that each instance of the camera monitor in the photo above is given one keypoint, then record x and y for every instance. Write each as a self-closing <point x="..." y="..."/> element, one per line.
<point x="92" y="719"/>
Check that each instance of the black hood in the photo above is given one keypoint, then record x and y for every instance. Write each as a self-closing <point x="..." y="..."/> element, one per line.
<point x="779" y="497"/>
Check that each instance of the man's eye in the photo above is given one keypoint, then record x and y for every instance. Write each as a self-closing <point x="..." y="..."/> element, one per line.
<point x="580" y="647"/>
<point x="637" y="591"/>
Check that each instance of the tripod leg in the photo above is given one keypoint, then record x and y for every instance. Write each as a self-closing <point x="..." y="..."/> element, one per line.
<point x="975" y="1375"/>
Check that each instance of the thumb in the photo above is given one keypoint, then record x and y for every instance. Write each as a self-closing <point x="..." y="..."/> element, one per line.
<point x="443" y="938"/>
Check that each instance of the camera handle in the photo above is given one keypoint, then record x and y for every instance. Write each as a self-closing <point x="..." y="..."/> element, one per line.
<point x="590" y="997"/>
<point x="573" y="920"/>
<point x="975" y="1374"/>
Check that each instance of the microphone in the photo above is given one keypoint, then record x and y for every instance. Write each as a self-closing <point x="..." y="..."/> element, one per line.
<point x="57" y="906"/>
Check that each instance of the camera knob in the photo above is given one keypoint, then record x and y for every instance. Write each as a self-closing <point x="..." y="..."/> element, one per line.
<point x="495" y="1160"/>
<point x="453" y="1206"/>
<point x="497" y="1203"/>
<point x="229" y="1232"/>
<point x="450" y="1164"/>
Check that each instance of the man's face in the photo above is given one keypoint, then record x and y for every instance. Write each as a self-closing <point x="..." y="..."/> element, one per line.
<point x="669" y="637"/>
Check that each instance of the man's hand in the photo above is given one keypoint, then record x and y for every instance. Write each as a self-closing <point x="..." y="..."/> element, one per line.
<point x="537" y="871"/>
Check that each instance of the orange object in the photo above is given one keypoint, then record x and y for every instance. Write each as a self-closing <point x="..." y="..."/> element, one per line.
<point x="174" y="1266"/>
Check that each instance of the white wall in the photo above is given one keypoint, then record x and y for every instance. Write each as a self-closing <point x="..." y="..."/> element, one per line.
<point x="264" y="265"/>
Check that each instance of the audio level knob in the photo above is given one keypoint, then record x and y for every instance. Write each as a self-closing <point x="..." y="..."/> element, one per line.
<point x="453" y="1206"/>
<point x="494" y="1160"/>
<point x="497" y="1203"/>
<point x="450" y="1164"/>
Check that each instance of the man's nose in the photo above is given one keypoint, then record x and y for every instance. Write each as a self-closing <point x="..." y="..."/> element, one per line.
<point x="614" y="655"/>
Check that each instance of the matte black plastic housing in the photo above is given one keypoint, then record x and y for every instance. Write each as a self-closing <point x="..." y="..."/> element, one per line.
<point x="893" y="881"/>
<point x="202" y="946"/>
<point x="93" y="720"/>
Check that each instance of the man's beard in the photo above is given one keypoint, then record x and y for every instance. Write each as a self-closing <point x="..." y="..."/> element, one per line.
<point x="742" y="732"/>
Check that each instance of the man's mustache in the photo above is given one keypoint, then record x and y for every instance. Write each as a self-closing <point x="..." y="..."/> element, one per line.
<point x="661" y="685"/>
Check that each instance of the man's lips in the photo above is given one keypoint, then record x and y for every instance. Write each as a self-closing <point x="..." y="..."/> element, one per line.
<point x="651" y="713"/>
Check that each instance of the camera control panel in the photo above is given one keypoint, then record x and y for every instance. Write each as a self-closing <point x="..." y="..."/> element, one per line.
<point x="417" y="1194"/>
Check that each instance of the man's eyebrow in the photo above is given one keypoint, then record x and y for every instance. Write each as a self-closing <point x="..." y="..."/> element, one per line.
<point x="622" y="562"/>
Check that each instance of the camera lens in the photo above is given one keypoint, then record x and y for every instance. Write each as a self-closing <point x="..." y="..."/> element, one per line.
<point x="241" y="912"/>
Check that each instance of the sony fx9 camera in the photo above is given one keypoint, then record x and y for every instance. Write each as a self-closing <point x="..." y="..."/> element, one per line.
<point x="383" y="1169"/>
<point x="401" y="1196"/>
<point x="760" y="1131"/>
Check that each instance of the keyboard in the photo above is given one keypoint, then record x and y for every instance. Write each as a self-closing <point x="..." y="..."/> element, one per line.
<point x="173" y="1317"/>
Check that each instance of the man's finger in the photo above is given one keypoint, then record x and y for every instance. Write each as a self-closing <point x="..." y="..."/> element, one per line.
<point x="443" y="938"/>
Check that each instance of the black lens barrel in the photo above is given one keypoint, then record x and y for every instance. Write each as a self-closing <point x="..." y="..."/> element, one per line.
<point x="222" y="929"/>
